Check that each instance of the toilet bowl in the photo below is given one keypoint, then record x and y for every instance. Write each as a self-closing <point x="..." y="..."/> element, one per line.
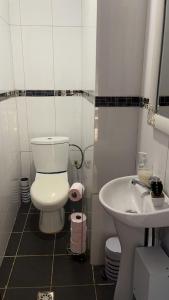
<point x="49" y="191"/>
<point x="49" y="194"/>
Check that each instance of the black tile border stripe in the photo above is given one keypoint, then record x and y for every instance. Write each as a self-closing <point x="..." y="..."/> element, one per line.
<point x="121" y="101"/>
<point x="7" y="95"/>
<point x="89" y="95"/>
<point x="164" y="101"/>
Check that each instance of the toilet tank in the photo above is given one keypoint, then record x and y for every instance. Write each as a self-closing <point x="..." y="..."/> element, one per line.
<point x="50" y="154"/>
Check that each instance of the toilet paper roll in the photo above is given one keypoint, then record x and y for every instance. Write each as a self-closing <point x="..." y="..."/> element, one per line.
<point x="76" y="192"/>
<point x="80" y="236"/>
<point x="78" y="222"/>
<point x="77" y="248"/>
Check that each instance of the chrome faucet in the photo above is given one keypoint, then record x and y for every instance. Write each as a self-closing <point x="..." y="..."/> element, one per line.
<point x="136" y="181"/>
<point x="155" y="185"/>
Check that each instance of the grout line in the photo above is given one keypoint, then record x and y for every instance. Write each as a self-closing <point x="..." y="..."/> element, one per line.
<point x="53" y="58"/>
<point x="53" y="259"/>
<point x="94" y="282"/>
<point x="38" y="255"/>
<point x="47" y="286"/>
<point x="42" y="25"/>
<point x="16" y="255"/>
<point x="35" y="231"/>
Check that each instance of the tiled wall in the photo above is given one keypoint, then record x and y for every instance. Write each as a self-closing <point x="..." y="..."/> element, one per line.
<point x="89" y="22"/>
<point x="6" y="82"/>
<point x="47" y="44"/>
<point x="48" y="116"/>
<point x="47" y="54"/>
<point x="9" y="142"/>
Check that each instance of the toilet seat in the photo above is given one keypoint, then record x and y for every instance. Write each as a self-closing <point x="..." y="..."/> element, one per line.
<point x="50" y="191"/>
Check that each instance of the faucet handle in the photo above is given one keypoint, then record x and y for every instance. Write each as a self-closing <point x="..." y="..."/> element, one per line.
<point x="156" y="186"/>
<point x="154" y="179"/>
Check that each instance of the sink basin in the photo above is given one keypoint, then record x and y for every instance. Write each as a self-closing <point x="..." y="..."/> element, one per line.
<point x="132" y="204"/>
<point x="132" y="210"/>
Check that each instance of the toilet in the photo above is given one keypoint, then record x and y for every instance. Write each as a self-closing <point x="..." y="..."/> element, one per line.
<point x="49" y="191"/>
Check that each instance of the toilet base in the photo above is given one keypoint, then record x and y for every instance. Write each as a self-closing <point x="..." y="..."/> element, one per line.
<point x="52" y="221"/>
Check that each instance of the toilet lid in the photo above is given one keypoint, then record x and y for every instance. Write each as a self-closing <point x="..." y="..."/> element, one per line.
<point x="50" y="190"/>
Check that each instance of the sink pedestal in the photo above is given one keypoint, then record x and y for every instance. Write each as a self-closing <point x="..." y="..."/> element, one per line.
<point x="130" y="238"/>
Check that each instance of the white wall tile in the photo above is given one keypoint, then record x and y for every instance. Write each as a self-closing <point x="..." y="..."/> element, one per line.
<point x="67" y="57"/>
<point x="88" y="58"/>
<point x="68" y="118"/>
<point x="18" y="63"/>
<point x="38" y="57"/>
<point x="23" y="124"/>
<point x="27" y="169"/>
<point x="41" y="116"/>
<point x="88" y="112"/>
<point x="6" y="82"/>
<point x="9" y="171"/>
<point x="66" y="12"/>
<point x="145" y="141"/>
<point x="14" y="12"/>
<point x="4" y="10"/>
<point x="89" y="13"/>
<point x="36" y="12"/>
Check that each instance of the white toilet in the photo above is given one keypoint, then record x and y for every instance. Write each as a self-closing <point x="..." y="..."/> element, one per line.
<point x="49" y="191"/>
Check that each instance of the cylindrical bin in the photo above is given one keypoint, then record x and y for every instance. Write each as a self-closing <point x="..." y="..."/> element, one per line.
<point x="112" y="258"/>
<point x="25" y="190"/>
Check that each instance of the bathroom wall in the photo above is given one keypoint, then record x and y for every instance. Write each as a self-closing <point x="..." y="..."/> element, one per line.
<point x="46" y="40"/>
<point x="9" y="142"/>
<point x="89" y="19"/>
<point x="47" y="55"/>
<point x="119" y="65"/>
<point x="89" y="28"/>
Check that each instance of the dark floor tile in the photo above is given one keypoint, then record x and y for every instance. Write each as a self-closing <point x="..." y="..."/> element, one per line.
<point x="75" y="293"/>
<point x="31" y="271"/>
<point x="105" y="292"/>
<point x="32" y="223"/>
<point x="1" y="293"/>
<point x="19" y="223"/>
<point x="5" y="270"/>
<point x="99" y="275"/>
<point x="71" y="272"/>
<point x="36" y="243"/>
<point x="67" y="224"/>
<point x="23" y="294"/>
<point x="34" y="209"/>
<point x="13" y="244"/>
<point x="62" y="242"/>
<point x="24" y="208"/>
<point x="73" y="206"/>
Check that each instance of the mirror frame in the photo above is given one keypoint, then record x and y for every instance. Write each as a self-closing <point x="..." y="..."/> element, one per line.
<point x="152" y="62"/>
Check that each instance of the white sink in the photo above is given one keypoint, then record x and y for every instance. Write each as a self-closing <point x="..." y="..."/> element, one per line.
<point x="132" y="204"/>
<point x="132" y="210"/>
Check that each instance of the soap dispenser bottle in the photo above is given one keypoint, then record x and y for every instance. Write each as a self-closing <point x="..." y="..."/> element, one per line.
<point x="144" y="171"/>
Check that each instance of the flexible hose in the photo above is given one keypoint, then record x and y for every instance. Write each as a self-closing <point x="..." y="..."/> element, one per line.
<point x="82" y="154"/>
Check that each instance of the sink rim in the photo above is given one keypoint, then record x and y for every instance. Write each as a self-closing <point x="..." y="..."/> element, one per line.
<point x="157" y="211"/>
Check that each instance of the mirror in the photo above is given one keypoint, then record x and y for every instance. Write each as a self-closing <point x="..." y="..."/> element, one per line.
<point x="163" y="84"/>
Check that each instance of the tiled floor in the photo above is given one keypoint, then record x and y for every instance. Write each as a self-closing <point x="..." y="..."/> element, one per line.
<point x="35" y="262"/>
